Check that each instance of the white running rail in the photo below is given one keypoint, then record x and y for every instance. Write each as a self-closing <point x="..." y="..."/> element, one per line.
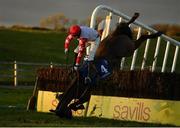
<point x="140" y="27"/>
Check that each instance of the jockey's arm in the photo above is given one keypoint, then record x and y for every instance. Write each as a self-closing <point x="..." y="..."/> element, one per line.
<point x="69" y="38"/>
<point x="82" y="43"/>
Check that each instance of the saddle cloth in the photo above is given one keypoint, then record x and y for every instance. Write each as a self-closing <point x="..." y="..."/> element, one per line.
<point x="102" y="67"/>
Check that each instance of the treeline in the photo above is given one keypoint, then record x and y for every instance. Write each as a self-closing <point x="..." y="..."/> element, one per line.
<point x="59" y="22"/>
<point x="168" y="29"/>
<point x="55" y="22"/>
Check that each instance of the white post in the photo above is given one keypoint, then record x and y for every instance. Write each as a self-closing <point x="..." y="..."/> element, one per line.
<point x="175" y="59"/>
<point x="107" y="26"/>
<point x="135" y="53"/>
<point x="51" y="65"/>
<point x="165" y="57"/>
<point x="15" y="74"/>
<point x="145" y="54"/>
<point x="120" y="19"/>
<point x="122" y="63"/>
<point x="156" y="54"/>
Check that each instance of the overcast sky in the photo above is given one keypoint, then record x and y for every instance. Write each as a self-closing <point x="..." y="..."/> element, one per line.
<point x="30" y="12"/>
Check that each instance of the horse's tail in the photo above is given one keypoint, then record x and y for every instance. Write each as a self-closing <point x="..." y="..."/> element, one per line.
<point x="136" y="15"/>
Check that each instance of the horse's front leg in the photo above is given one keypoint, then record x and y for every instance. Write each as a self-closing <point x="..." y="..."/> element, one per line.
<point x="62" y="109"/>
<point x="84" y="97"/>
<point x="145" y="37"/>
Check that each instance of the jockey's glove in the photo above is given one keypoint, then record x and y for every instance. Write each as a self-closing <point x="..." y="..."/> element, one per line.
<point x="87" y="80"/>
<point x="76" y="67"/>
<point x="66" y="51"/>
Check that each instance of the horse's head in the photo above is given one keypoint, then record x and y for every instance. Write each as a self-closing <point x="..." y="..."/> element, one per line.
<point x="124" y="29"/>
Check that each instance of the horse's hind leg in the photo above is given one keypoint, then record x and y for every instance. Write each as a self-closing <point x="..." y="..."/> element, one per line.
<point x="145" y="37"/>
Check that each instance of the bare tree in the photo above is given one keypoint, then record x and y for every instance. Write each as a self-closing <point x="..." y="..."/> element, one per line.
<point x="57" y="21"/>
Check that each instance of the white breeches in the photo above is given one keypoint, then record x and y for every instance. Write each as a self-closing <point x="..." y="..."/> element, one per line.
<point x="92" y="45"/>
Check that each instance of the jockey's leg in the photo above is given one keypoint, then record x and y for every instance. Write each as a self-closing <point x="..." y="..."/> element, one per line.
<point x="145" y="37"/>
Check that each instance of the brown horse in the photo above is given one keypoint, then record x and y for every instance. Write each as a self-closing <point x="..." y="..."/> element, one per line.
<point x="115" y="46"/>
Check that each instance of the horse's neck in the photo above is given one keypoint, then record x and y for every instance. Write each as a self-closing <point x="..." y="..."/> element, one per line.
<point x="105" y="51"/>
<point x="115" y="33"/>
<point x="115" y="63"/>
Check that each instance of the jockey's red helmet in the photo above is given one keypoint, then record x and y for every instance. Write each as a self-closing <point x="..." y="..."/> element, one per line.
<point x="75" y="30"/>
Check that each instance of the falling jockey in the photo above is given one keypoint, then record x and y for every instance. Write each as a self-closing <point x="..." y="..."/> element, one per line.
<point x="91" y="69"/>
<point x="86" y="37"/>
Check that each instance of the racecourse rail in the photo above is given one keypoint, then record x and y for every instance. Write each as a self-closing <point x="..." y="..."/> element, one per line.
<point x="140" y="27"/>
<point x="15" y="72"/>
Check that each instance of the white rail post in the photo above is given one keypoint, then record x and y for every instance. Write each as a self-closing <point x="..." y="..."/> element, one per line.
<point x="135" y="53"/>
<point x="122" y="63"/>
<point x="145" y="54"/>
<point x="107" y="26"/>
<point x="15" y="74"/>
<point x="156" y="54"/>
<point x="51" y="65"/>
<point x="175" y="59"/>
<point x="165" y="57"/>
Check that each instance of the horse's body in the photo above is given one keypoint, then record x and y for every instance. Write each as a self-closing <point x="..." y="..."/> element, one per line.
<point x="115" y="46"/>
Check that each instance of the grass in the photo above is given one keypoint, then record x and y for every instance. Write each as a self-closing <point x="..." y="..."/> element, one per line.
<point x="31" y="46"/>
<point x="13" y="113"/>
